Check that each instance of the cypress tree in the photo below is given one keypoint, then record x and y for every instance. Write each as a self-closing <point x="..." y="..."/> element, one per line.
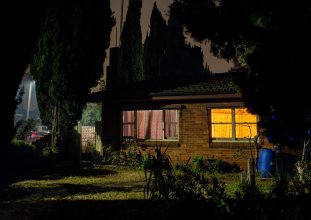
<point x="131" y="43"/>
<point x="69" y="59"/>
<point x="154" y="46"/>
<point x="181" y="59"/>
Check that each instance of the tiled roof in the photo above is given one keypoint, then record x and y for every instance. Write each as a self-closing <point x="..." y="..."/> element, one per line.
<point x="220" y="83"/>
<point x="215" y="84"/>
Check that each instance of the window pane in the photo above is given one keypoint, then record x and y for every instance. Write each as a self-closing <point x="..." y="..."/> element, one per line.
<point x="171" y="124"/>
<point x="221" y="115"/>
<point x="128" y="117"/>
<point x="143" y="124"/>
<point x="128" y="130"/>
<point x="242" y="116"/>
<point x="128" y="124"/>
<point x="149" y="124"/>
<point x="221" y="131"/>
<point x="246" y="130"/>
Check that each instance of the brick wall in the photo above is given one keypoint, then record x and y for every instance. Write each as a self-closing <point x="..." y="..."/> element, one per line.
<point x="195" y="140"/>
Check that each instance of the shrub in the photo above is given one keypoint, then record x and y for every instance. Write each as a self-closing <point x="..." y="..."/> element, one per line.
<point x="160" y="176"/>
<point x="21" y="153"/>
<point x="213" y="165"/>
<point x="50" y="153"/>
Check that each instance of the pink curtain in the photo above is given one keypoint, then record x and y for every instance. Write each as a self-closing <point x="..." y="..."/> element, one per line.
<point x="149" y="124"/>
<point x="171" y="124"/>
<point x="128" y="123"/>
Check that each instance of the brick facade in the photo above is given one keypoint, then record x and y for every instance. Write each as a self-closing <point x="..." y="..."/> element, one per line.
<point x="194" y="140"/>
<point x="194" y="136"/>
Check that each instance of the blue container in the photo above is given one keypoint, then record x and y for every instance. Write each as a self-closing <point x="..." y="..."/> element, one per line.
<point x="265" y="162"/>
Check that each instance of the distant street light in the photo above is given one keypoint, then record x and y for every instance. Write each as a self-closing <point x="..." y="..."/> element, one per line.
<point x="29" y="99"/>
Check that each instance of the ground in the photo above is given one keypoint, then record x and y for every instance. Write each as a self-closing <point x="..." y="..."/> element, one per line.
<point x="68" y="191"/>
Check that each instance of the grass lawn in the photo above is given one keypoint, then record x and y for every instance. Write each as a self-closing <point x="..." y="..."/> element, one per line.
<point x="96" y="183"/>
<point x="66" y="191"/>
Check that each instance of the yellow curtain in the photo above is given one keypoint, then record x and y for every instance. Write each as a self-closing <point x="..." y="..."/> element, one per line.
<point x="242" y="116"/>
<point x="245" y="123"/>
<point x="223" y="123"/>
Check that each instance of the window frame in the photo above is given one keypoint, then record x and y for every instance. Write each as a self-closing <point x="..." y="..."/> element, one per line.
<point x="164" y="124"/>
<point x="233" y="126"/>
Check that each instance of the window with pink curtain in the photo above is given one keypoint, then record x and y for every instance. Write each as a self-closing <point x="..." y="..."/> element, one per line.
<point x="128" y="123"/>
<point x="171" y="124"/>
<point x="151" y="124"/>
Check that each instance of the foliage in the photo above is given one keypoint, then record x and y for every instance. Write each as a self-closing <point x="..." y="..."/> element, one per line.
<point x="129" y="155"/>
<point x="160" y="176"/>
<point x="154" y="46"/>
<point x="166" y="52"/>
<point x="68" y="59"/>
<point x="192" y="184"/>
<point x="21" y="154"/>
<point x="180" y="59"/>
<point x="50" y="152"/>
<point x="17" y="18"/>
<point x="258" y="36"/>
<point x="91" y="114"/>
<point x="23" y="128"/>
<point x="131" y="43"/>
<point x="296" y="186"/>
<point x="213" y="165"/>
<point x="110" y="155"/>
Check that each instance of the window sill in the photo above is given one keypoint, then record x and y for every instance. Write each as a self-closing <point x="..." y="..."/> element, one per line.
<point x="232" y="141"/>
<point x="159" y="143"/>
<point x="231" y="144"/>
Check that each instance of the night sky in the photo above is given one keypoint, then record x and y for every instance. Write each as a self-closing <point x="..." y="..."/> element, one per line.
<point x="215" y="65"/>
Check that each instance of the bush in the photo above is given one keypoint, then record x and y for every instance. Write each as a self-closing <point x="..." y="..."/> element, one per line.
<point x="50" y="153"/>
<point x="213" y="165"/>
<point x="21" y="153"/>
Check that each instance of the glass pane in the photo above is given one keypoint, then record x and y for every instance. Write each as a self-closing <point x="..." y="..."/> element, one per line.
<point x="171" y="116"/>
<point x="128" y="116"/>
<point x="242" y="116"/>
<point x="171" y="124"/>
<point x="222" y="131"/>
<point x="171" y="131"/>
<point x="246" y="130"/>
<point x="128" y="130"/>
<point x="221" y="115"/>
<point x="149" y="124"/>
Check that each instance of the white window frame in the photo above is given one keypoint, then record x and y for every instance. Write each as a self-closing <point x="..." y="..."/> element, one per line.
<point x="163" y="125"/>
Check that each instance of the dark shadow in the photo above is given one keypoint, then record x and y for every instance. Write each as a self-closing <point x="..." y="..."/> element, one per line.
<point x="11" y="194"/>
<point x="142" y="209"/>
<point x="53" y="173"/>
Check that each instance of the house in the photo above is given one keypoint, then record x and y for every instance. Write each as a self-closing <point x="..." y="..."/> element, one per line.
<point x="193" y="116"/>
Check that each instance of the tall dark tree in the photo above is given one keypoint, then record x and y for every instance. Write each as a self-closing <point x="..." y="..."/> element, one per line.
<point x="194" y="61"/>
<point x="269" y="41"/>
<point x="175" y="62"/>
<point x="131" y="43"/>
<point x="154" y="46"/>
<point x="69" y="59"/>
<point x="20" y="22"/>
<point x="181" y="59"/>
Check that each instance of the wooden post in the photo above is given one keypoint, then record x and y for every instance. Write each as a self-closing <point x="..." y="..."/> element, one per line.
<point x="251" y="171"/>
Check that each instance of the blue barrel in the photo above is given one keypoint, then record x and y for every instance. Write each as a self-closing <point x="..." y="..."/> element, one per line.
<point x="265" y="162"/>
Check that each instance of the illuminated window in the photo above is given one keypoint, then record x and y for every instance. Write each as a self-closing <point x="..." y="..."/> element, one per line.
<point x="151" y="124"/>
<point x="233" y="123"/>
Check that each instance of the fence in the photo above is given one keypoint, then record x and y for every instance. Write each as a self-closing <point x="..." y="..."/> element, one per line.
<point x="87" y="138"/>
